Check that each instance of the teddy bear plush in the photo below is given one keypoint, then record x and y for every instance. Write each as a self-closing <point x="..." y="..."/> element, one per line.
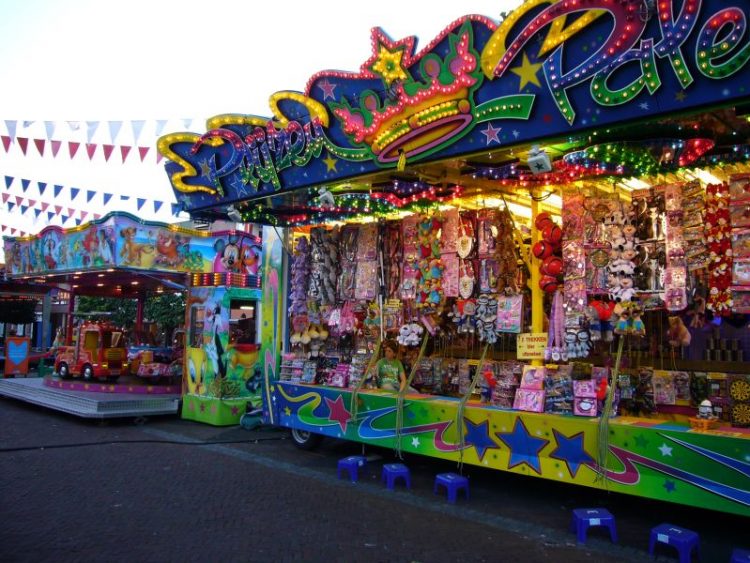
<point x="677" y="333"/>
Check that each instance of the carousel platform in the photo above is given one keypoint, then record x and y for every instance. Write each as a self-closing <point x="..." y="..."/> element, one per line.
<point x="89" y="403"/>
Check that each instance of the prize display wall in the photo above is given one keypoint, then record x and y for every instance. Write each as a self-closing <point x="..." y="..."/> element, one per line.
<point x="539" y="227"/>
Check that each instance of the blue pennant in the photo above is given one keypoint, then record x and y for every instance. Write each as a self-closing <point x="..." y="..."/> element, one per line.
<point x="25" y="184"/>
<point x="42" y="187"/>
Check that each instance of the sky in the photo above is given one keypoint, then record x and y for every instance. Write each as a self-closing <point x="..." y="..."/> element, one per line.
<point x="120" y="74"/>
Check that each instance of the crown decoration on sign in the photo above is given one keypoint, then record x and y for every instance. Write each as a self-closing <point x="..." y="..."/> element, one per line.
<point x="413" y="116"/>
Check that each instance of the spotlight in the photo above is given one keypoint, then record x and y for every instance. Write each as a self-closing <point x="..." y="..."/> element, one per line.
<point x="233" y="214"/>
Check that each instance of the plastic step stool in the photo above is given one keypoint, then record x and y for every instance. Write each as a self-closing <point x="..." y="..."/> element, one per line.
<point x="351" y="464"/>
<point x="452" y="482"/>
<point x="394" y="471"/>
<point x="585" y="518"/>
<point x="682" y="539"/>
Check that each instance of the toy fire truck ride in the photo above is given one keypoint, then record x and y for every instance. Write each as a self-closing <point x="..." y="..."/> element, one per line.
<point x="98" y="352"/>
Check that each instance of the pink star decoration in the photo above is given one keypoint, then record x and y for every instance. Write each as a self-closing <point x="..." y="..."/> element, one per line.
<point x="338" y="412"/>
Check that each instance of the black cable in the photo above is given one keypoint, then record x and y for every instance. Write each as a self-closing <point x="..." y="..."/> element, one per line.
<point x="111" y="442"/>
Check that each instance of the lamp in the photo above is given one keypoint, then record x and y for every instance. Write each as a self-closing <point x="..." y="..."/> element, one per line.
<point x="233" y="214"/>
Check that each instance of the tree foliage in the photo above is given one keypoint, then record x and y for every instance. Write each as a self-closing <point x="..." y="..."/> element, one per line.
<point x="166" y="310"/>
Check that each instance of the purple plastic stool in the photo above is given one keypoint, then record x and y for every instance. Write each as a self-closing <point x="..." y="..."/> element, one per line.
<point x="452" y="483"/>
<point x="682" y="539"/>
<point x="352" y="465"/>
<point x="393" y="471"/>
<point x="585" y="518"/>
<point x="740" y="556"/>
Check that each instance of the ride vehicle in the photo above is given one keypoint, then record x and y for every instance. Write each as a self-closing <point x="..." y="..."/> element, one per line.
<point x="158" y="364"/>
<point x="98" y="353"/>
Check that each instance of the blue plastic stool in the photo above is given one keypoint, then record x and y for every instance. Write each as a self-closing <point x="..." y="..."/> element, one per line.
<point x="452" y="482"/>
<point x="740" y="556"/>
<point x="585" y="518"/>
<point x="682" y="539"/>
<point x="352" y="465"/>
<point x="393" y="471"/>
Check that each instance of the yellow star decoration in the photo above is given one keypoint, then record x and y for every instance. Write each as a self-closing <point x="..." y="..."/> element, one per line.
<point x="330" y="163"/>
<point x="527" y="71"/>
<point x="388" y="65"/>
<point x="287" y="411"/>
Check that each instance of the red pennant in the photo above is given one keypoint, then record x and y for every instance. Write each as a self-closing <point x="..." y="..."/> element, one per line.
<point x="32" y="202"/>
<point x="107" y="151"/>
<point x="2" y="228"/>
<point x="55" y="147"/>
<point x="12" y="231"/>
<point x="158" y="157"/>
<point x="23" y="142"/>
<point x="39" y="146"/>
<point x="5" y="197"/>
<point x="58" y="208"/>
<point x="83" y="214"/>
<point x="6" y="142"/>
<point x="45" y="206"/>
<point x="97" y="216"/>
<point x="124" y="151"/>
<point x="71" y="211"/>
<point x="19" y="199"/>
<point x="91" y="149"/>
<point x="73" y="147"/>
<point x="143" y="151"/>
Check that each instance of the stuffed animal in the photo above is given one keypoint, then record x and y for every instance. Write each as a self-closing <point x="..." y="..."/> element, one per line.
<point x="677" y="333"/>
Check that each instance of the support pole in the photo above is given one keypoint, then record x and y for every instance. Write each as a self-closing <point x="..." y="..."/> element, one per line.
<point x="69" y="321"/>
<point x="139" y="312"/>
<point x="537" y="295"/>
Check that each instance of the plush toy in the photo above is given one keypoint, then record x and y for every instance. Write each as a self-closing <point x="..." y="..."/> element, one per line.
<point x="410" y="334"/>
<point x="487" y="385"/>
<point x="677" y="333"/>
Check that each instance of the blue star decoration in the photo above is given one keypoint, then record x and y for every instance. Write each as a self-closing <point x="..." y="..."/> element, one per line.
<point x="669" y="485"/>
<point x="524" y="448"/>
<point x="571" y="451"/>
<point x="478" y="435"/>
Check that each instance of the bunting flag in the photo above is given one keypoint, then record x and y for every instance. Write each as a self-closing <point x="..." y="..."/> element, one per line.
<point x="23" y="142"/>
<point x="19" y="199"/>
<point x="42" y="186"/>
<point x="10" y="124"/>
<point x="8" y="182"/>
<point x="160" y="123"/>
<point x="90" y="195"/>
<point x="73" y="147"/>
<point x="91" y="127"/>
<point x="97" y="216"/>
<point x="107" y="151"/>
<point x="11" y="205"/>
<point x="37" y="212"/>
<point x="49" y="127"/>
<point x="24" y="208"/>
<point x="176" y="208"/>
<point x="124" y="151"/>
<point x="141" y="201"/>
<point x="27" y="124"/>
<point x="74" y="193"/>
<point x="114" y="130"/>
<point x="158" y="157"/>
<point x="137" y="129"/>
<point x="83" y="214"/>
<point x="58" y="209"/>
<point x="78" y="222"/>
<point x="40" y="146"/>
<point x="50" y="214"/>
<point x="6" y="142"/>
<point x="55" y="147"/>
<point x="91" y="149"/>
<point x="142" y="150"/>
<point x="71" y="211"/>
<point x="64" y="218"/>
<point x="25" y="184"/>
<point x="105" y="198"/>
<point x="58" y="189"/>
<point x="32" y="202"/>
<point x="124" y="197"/>
<point x="5" y="198"/>
<point x="187" y="122"/>
<point x="45" y="205"/>
<point x="157" y="205"/>
<point x="12" y="231"/>
<point x="74" y="125"/>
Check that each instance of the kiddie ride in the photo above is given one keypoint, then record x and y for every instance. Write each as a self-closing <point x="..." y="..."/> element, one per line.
<point x="97" y="353"/>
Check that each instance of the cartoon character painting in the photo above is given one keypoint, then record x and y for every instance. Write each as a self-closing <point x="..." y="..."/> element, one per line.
<point x="167" y="248"/>
<point x="250" y="259"/>
<point x="227" y="255"/>
<point x="50" y="251"/>
<point x="106" y="245"/>
<point x="215" y="329"/>
<point x="132" y="252"/>
<point x="197" y="365"/>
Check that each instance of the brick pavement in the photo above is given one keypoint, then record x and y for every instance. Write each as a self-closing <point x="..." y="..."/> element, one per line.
<point x="268" y="501"/>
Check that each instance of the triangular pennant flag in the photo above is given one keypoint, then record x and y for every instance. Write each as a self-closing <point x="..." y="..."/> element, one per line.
<point x="91" y="149"/>
<point x="27" y="124"/>
<point x="187" y="122"/>
<point x="49" y="126"/>
<point x="10" y="124"/>
<point x="8" y="182"/>
<point x="63" y="218"/>
<point x="124" y="197"/>
<point x="5" y="197"/>
<point x="23" y="142"/>
<point x="74" y="125"/>
<point x="45" y="205"/>
<point x="37" y="212"/>
<point x="71" y="211"/>
<point x="143" y="152"/>
<point x="141" y="201"/>
<point x="42" y="186"/>
<point x="73" y="147"/>
<point x="50" y="214"/>
<point x="58" y="209"/>
<point x="12" y="231"/>
<point x="160" y="123"/>
<point x="137" y="129"/>
<point x="158" y="157"/>
<point x="114" y="130"/>
<point x="74" y="193"/>
<point x="176" y="207"/>
<point x="97" y="216"/>
<point x="11" y="205"/>
<point x="84" y="214"/>
<point x="157" y="206"/>
<point x="58" y="189"/>
<point x="40" y="145"/>
<point x="19" y="199"/>
<point x="105" y="198"/>
<point x="89" y="195"/>
<point x="107" y="151"/>
<point x="78" y="222"/>
<point x="24" y="208"/>
<point x="55" y="147"/>
<point x="6" y="143"/>
<point x="2" y="228"/>
<point x="25" y="184"/>
<point x="124" y="151"/>
<point x="32" y="202"/>
<point x="91" y="127"/>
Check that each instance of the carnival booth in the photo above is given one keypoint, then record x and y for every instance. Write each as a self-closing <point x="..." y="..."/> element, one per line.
<point x="122" y="256"/>
<point x="523" y="247"/>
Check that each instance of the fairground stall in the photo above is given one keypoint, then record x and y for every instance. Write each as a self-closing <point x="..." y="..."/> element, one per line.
<point x="122" y="256"/>
<point x="545" y="221"/>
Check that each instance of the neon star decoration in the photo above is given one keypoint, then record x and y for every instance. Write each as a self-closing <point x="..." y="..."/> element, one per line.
<point x="390" y="60"/>
<point x="330" y="163"/>
<point x="527" y="72"/>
